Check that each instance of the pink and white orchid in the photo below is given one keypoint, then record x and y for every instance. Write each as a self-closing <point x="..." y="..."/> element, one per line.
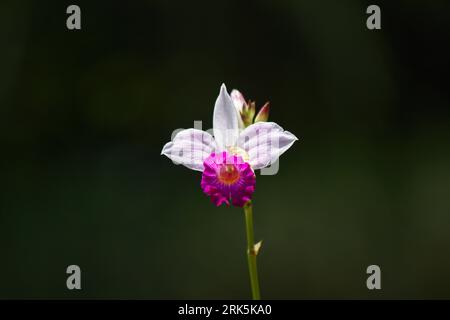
<point x="228" y="159"/>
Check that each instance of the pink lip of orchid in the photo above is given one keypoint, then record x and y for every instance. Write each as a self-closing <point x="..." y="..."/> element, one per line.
<point x="228" y="159"/>
<point x="227" y="177"/>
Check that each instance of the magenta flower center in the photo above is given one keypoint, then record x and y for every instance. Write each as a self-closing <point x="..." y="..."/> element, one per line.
<point x="227" y="177"/>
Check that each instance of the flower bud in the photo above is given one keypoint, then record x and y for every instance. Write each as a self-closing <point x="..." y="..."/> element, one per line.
<point x="248" y="113"/>
<point x="238" y="100"/>
<point x="263" y="114"/>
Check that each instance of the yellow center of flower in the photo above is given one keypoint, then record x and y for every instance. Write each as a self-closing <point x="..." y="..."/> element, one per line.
<point x="228" y="174"/>
<point x="239" y="152"/>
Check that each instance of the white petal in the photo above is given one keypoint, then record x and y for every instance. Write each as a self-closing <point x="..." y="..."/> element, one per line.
<point x="225" y="120"/>
<point x="190" y="147"/>
<point x="239" y="102"/>
<point x="265" y="142"/>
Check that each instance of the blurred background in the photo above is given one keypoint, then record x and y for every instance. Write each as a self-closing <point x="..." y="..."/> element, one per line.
<point x="84" y="115"/>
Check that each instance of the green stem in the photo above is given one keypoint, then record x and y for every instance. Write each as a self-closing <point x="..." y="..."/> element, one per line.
<point x="251" y="251"/>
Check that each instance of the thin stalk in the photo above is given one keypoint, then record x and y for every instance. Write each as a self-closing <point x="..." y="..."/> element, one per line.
<point x="252" y="251"/>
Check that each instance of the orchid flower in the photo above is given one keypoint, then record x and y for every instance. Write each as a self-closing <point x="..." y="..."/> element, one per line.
<point x="228" y="160"/>
<point x="240" y="143"/>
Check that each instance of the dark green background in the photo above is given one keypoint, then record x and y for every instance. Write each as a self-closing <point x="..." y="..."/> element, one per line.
<point x="84" y="115"/>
